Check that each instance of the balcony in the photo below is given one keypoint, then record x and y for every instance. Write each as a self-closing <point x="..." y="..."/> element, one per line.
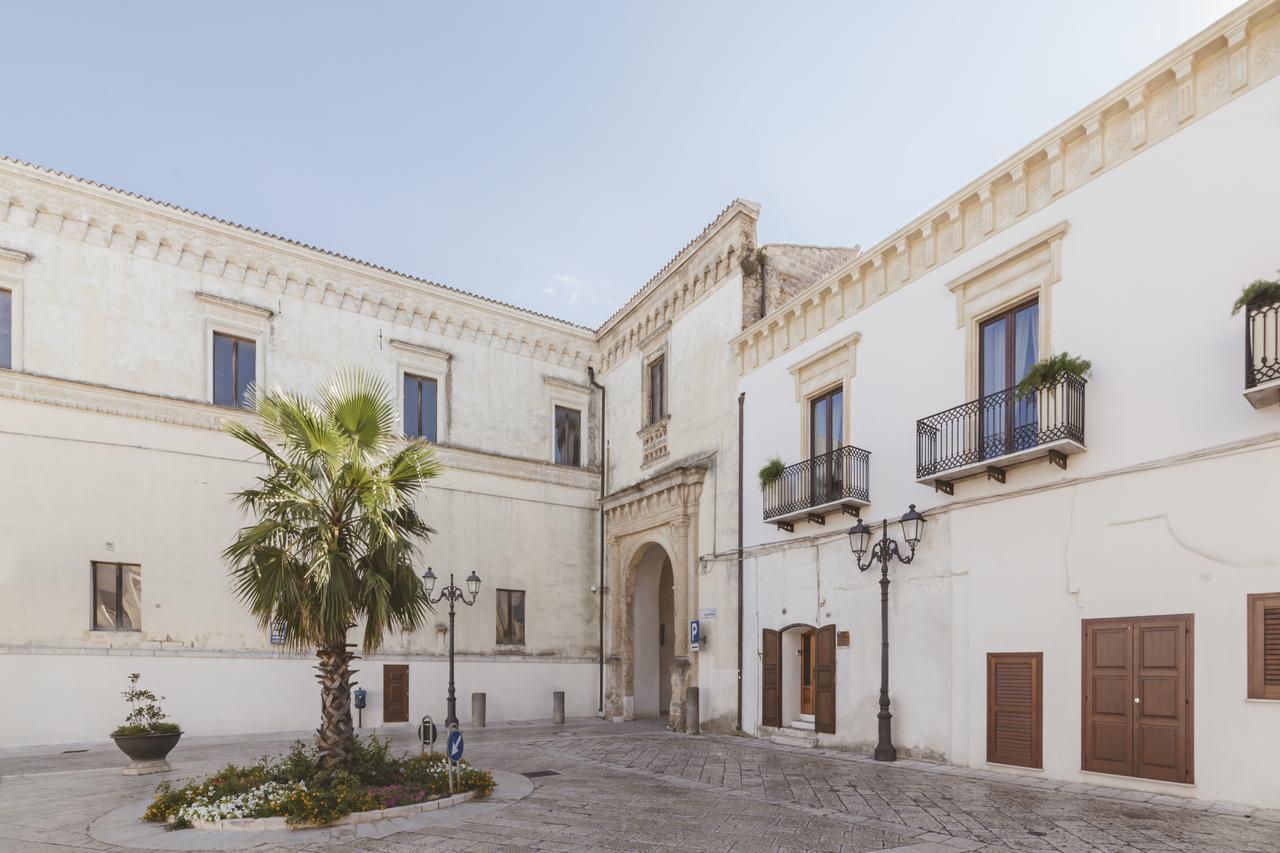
<point x="988" y="435"/>
<point x="1261" y="359"/>
<point x="839" y="480"/>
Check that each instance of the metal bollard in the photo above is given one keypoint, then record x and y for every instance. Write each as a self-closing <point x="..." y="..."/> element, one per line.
<point x="691" y="711"/>
<point x="557" y="707"/>
<point x="477" y="710"/>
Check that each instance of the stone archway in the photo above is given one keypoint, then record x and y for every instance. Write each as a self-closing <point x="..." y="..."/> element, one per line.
<point x="660" y="513"/>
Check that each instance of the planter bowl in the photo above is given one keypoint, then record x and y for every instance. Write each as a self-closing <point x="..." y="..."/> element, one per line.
<point x="148" y="753"/>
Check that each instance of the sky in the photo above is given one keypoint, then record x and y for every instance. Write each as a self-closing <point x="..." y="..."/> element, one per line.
<point x="555" y="155"/>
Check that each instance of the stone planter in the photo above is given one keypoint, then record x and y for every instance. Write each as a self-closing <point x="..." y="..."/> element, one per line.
<point x="148" y="753"/>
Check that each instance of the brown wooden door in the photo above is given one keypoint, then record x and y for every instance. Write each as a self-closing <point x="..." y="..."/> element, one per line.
<point x="807" y="662"/>
<point x="395" y="693"/>
<point x="771" y="679"/>
<point x="1015" y="709"/>
<point x="824" y="681"/>
<point x="1138" y="700"/>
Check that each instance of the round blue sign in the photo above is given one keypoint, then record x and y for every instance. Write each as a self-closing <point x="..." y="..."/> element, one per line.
<point x="455" y="745"/>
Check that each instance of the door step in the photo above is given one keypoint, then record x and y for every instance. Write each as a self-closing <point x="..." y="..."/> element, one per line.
<point x="803" y="724"/>
<point x="794" y="737"/>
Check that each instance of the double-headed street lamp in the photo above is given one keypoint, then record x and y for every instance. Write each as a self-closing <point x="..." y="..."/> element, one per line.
<point x="454" y="594"/>
<point x="882" y="551"/>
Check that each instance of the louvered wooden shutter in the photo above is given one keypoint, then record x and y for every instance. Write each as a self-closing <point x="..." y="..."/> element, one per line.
<point x="824" y="681"/>
<point x="1264" y="646"/>
<point x="1014" y="709"/>
<point x="771" y="678"/>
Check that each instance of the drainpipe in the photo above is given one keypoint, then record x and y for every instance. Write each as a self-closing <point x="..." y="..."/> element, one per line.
<point x="591" y="376"/>
<point x="763" y="257"/>
<point x="742" y="396"/>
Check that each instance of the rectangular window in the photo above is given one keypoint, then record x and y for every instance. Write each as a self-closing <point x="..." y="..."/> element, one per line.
<point x="117" y="597"/>
<point x="234" y="369"/>
<point x="657" y="390"/>
<point x="6" y="329"/>
<point x="568" y="436"/>
<point x="420" y="407"/>
<point x="511" y="617"/>
<point x="1008" y="349"/>
<point x="1264" y="646"/>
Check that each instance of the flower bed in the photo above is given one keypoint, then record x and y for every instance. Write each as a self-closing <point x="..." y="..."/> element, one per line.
<point x="296" y="788"/>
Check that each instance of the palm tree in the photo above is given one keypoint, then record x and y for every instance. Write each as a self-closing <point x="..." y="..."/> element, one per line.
<point x="335" y="531"/>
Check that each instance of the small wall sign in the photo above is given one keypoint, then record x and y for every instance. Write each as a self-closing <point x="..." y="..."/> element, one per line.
<point x="695" y="635"/>
<point x="706" y="613"/>
<point x="842" y="639"/>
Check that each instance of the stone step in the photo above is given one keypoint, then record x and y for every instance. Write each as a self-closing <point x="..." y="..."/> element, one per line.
<point x="808" y="718"/>
<point x="802" y="723"/>
<point x="794" y="737"/>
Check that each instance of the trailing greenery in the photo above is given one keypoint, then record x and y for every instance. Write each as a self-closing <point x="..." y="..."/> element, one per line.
<point x="771" y="471"/>
<point x="1051" y="370"/>
<point x="145" y="715"/>
<point x="300" y="788"/>
<point x="334" y="530"/>
<point x="1259" y="292"/>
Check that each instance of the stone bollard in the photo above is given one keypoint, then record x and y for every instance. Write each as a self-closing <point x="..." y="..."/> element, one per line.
<point x="557" y="707"/>
<point x="691" y="711"/>
<point x="477" y="710"/>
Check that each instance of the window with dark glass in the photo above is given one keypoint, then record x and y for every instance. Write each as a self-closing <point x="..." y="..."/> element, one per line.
<point x="826" y="434"/>
<point x="657" y="390"/>
<point x="568" y="436"/>
<point x="511" y="617"/>
<point x="1009" y="348"/>
<point x="420" y="407"/>
<point x="234" y="369"/>
<point x="6" y="329"/>
<point x="117" y="597"/>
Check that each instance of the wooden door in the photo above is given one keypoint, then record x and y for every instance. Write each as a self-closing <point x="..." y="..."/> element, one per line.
<point x="395" y="693"/>
<point x="807" y="662"/>
<point x="1015" y="702"/>
<point x="771" y="679"/>
<point x="824" y="680"/>
<point x="1138" y="700"/>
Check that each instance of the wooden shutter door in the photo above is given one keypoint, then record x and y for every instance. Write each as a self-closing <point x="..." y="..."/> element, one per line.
<point x="771" y="679"/>
<point x="1264" y="646"/>
<point x="1162" y="706"/>
<point x="395" y="693"/>
<point x="824" y="681"/>
<point x="1107" y="739"/>
<point x="1014" y="709"/>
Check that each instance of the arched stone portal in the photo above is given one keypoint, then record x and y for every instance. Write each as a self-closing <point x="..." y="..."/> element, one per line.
<point x="651" y="528"/>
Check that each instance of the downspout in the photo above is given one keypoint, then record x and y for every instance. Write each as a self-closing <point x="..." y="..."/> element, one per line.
<point x="742" y="396"/>
<point x="763" y="257"/>
<point x="591" y="376"/>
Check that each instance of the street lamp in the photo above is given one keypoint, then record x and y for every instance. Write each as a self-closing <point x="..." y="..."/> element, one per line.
<point x="882" y="551"/>
<point x="454" y="594"/>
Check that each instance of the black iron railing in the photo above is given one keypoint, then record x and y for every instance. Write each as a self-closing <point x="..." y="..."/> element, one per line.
<point x="1261" y="332"/>
<point x="999" y="424"/>
<point x="842" y="474"/>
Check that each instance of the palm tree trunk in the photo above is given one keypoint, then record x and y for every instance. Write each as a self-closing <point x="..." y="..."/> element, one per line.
<point x="335" y="738"/>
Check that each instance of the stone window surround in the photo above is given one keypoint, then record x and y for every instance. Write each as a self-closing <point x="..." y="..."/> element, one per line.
<point x="418" y="360"/>
<point x="826" y="370"/>
<point x="568" y="395"/>
<point x="653" y="436"/>
<point x="11" y="272"/>
<point x="238" y="319"/>
<point x="1028" y="270"/>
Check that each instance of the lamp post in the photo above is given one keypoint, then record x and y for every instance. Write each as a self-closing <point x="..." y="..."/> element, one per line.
<point x="454" y="594"/>
<point x="881" y="552"/>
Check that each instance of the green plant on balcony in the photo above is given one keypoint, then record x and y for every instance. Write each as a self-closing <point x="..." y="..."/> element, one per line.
<point x="1052" y="369"/>
<point x="771" y="471"/>
<point x="1259" y="292"/>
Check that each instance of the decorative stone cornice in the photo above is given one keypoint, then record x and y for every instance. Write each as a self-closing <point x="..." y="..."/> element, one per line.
<point x="1231" y="57"/>
<point x="235" y="305"/>
<point x="76" y="209"/>
<point x="667" y="497"/>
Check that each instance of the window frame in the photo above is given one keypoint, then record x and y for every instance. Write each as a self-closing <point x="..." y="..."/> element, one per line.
<point x="6" y="359"/>
<point x="555" y="444"/>
<point x="424" y="362"/>
<point x="93" y="596"/>
<point x="236" y="341"/>
<point x="12" y="264"/>
<point x="502" y="594"/>
<point x="565" y="394"/>
<point x="434" y="437"/>
<point x="659" y="400"/>
<point x="1257" y="688"/>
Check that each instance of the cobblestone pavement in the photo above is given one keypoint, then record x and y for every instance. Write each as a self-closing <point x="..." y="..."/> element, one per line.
<point x="634" y="787"/>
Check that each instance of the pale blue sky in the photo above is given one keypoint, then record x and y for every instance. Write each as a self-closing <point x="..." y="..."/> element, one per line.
<point x="555" y="155"/>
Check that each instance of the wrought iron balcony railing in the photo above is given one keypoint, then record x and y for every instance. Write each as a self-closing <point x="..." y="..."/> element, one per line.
<point x="1261" y="333"/>
<point x="830" y="478"/>
<point x="1000" y="425"/>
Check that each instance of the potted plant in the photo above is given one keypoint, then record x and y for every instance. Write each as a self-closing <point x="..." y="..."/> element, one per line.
<point x="1049" y="371"/>
<point x="145" y="736"/>
<point x="1260" y="292"/>
<point x="771" y="471"/>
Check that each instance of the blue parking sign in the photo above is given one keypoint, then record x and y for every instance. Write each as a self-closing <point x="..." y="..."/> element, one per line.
<point x="695" y="635"/>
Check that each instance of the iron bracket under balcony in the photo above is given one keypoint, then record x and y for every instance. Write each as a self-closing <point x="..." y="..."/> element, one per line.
<point x="992" y="434"/>
<point x="810" y="490"/>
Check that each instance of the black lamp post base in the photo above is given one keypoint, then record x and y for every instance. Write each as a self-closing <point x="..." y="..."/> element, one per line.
<point x="886" y="752"/>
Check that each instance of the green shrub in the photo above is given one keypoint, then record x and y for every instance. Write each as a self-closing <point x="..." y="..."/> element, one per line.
<point x="372" y="762"/>
<point x="1259" y="292"/>
<point x="145" y="716"/>
<point x="1051" y="370"/>
<point x="771" y="471"/>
